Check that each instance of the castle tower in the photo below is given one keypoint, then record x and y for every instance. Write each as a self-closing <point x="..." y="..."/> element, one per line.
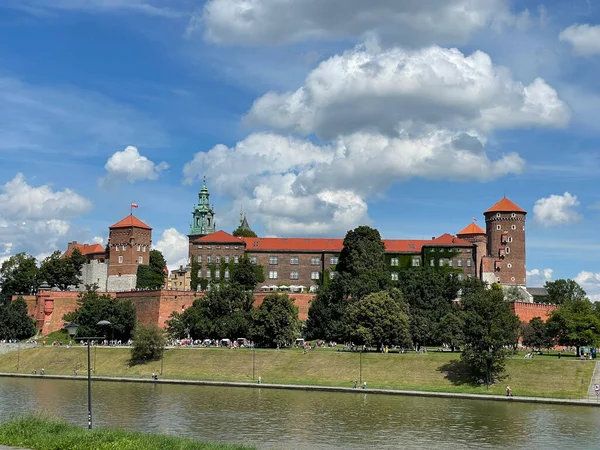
<point x="203" y="215"/>
<point x="505" y="230"/>
<point x="475" y="235"/>
<point x="129" y="243"/>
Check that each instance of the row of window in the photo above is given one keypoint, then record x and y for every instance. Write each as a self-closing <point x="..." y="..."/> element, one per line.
<point x="227" y="247"/>
<point x="226" y="259"/>
<point x="450" y="262"/>
<point x="457" y="249"/>
<point x="140" y="260"/>
<point x="217" y="274"/>
<point x="273" y="275"/>
<point x="396" y="261"/>
<point x="512" y="227"/>
<point x="295" y="260"/>
<point x="140" y="248"/>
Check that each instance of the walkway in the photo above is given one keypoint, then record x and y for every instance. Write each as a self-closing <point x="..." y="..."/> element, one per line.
<point x="591" y="395"/>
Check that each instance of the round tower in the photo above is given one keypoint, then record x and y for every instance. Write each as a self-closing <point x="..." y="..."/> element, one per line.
<point x="505" y="230"/>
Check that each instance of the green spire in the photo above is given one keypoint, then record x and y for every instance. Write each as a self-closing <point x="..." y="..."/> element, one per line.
<point x="203" y="214"/>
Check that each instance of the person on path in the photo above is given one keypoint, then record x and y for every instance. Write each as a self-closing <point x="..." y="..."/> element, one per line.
<point x="355" y="384"/>
<point x="508" y="391"/>
<point x="364" y="385"/>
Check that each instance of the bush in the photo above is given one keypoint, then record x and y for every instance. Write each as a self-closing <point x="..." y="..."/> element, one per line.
<point x="148" y="344"/>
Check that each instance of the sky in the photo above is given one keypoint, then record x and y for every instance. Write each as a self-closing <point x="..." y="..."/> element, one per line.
<point x="312" y="117"/>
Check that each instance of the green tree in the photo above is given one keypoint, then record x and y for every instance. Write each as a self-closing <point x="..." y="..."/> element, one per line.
<point x="247" y="274"/>
<point x="18" y="276"/>
<point x="59" y="271"/>
<point x="491" y="328"/>
<point x="535" y="334"/>
<point x="275" y="322"/>
<point x="93" y="307"/>
<point x="14" y="321"/>
<point x="152" y="276"/>
<point x="148" y="344"/>
<point x="243" y="232"/>
<point x="450" y="330"/>
<point x="380" y="318"/>
<point x="194" y="278"/>
<point x="78" y="260"/>
<point x="326" y="315"/>
<point x="560" y="291"/>
<point x="575" y="323"/>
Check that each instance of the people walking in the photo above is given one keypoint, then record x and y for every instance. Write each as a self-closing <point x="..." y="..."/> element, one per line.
<point x="508" y="391"/>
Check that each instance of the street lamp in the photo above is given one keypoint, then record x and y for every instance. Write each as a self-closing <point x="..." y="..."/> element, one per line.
<point x="72" y="331"/>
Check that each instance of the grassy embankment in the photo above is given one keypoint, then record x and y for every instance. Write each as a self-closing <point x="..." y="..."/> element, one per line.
<point x="38" y="433"/>
<point x="542" y="376"/>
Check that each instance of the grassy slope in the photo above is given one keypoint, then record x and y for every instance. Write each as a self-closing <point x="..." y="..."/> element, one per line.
<point x="37" y="433"/>
<point x="543" y="376"/>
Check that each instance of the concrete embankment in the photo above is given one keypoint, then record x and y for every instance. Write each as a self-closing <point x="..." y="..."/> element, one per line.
<point x="539" y="400"/>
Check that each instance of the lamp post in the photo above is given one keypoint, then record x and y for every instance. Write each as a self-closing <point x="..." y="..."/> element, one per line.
<point x="72" y="330"/>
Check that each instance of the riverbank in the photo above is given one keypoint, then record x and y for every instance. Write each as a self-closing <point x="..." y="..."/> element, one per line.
<point x="47" y="434"/>
<point x="437" y="372"/>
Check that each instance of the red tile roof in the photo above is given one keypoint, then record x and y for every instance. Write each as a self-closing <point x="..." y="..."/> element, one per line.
<point x="130" y="221"/>
<point x="448" y="239"/>
<point x="505" y="205"/>
<point x="473" y="228"/>
<point x="219" y="237"/>
<point x="85" y="249"/>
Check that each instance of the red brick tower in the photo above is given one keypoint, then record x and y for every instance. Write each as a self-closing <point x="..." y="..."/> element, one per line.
<point x="129" y="243"/>
<point x="475" y="235"/>
<point x="505" y="226"/>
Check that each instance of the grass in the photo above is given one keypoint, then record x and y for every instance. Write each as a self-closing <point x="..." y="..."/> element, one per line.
<point x="38" y="433"/>
<point x="542" y="376"/>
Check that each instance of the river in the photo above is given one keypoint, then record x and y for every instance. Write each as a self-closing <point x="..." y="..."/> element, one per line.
<point x="283" y="419"/>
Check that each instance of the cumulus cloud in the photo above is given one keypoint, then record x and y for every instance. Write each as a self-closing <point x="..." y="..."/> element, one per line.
<point x="256" y="22"/>
<point x="538" y="277"/>
<point x="590" y="282"/>
<point x="584" y="38"/>
<point x="398" y="89"/>
<point x="556" y="210"/>
<point x="36" y="217"/>
<point x="131" y="166"/>
<point x="98" y="240"/>
<point x="174" y="247"/>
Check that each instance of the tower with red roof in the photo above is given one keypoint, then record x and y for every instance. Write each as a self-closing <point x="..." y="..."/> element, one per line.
<point x="129" y="244"/>
<point x="505" y="231"/>
<point x="474" y="234"/>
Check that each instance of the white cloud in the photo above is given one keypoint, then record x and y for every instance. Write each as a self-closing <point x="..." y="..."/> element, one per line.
<point x="98" y="240"/>
<point x="538" y="277"/>
<point x="590" y="282"/>
<point x="150" y="8"/>
<point x="36" y="217"/>
<point x="174" y="247"/>
<point x="393" y="90"/>
<point x="556" y="210"/>
<point x="584" y="38"/>
<point x="131" y="166"/>
<point x="410" y="22"/>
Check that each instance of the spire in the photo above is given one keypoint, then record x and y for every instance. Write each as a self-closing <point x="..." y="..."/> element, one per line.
<point x="203" y="213"/>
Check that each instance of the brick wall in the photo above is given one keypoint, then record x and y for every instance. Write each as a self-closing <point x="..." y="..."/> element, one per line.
<point x="155" y="307"/>
<point x="527" y="311"/>
<point x="302" y="301"/>
<point x="506" y="242"/>
<point x="131" y="243"/>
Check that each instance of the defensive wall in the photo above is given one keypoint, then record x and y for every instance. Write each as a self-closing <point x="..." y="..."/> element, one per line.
<point x="155" y="307"/>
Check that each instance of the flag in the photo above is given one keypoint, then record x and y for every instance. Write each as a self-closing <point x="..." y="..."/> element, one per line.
<point x="474" y="219"/>
<point x="134" y="205"/>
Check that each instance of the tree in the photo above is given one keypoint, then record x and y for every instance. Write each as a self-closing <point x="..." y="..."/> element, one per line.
<point x="14" y="321"/>
<point x="148" y="344"/>
<point x="326" y="315"/>
<point x="152" y="276"/>
<point x="59" y="271"/>
<point x="575" y="323"/>
<point x="247" y="274"/>
<point x="379" y="318"/>
<point x="490" y="329"/>
<point x="275" y="322"/>
<point x="450" y="330"/>
<point x="514" y="294"/>
<point x="560" y="291"/>
<point x="243" y="232"/>
<point x="194" y="278"/>
<point x="535" y="334"/>
<point x="93" y="307"/>
<point x="18" y="276"/>
<point x="78" y="260"/>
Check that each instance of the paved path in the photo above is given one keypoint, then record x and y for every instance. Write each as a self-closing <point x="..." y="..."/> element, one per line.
<point x="4" y="447"/>
<point x="591" y="395"/>
<point x="7" y="348"/>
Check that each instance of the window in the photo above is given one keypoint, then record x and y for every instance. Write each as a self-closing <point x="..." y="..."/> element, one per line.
<point x="236" y="247"/>
<point x="123" y="247"/>
<point x="468" y="262"/>
<point x="227" y="259"/>
<point x="450" y="262"/>
<point x="507" y="250"/>
<point x="199" y="246"/>
<point x="509" y="265"/>
<point x="199" y="258"/>
<point x="314" y="275"/>
<point x="226" y="274"/>
<point x="294" y="275"/>
<point x="512" y="278"/>
<point x="218" y="246"/>
<point x="200" y="274"/>
<point x="332" y="274"/>
<point x="253" y="259"/>
<point x="459" y="262"/>
<point x="513" y="215"/>
<point x="139" y="248"/>
<point x="120" y="259"/>
<point x="117" y="248"/>
<point x="416" y="262"/>
<point x="217" y="273"/>
<point x="218" y="259"/>
<point x="141" y="260"/>
<point x="256" y="244"/>
<point x="209" y="259"/>
<point x="272" y="274"/>
<point x="208" y="274"/>
<point x="498" y="279"/>
<point x="498" y="227"/>
<point x="143" y="248"/>
<point x="441" y="262"/>
<point x="315" y="260"/>
<point x="227" y="247"/>
<point x="294" y="260"/>
<point x="333" y="261"/>
<point x="394" y="261"/>
<point x="236" y="259"/>
<point x="497" y="214"/>
<point x="273" y="260"/>
<point x="394" y="276"/>
<point x="513" y="227"/>
<point x="459" y="276"/>
<point x="432" y="263"/>
<point x="209" y="247"/>
<point x="510" y="239"/>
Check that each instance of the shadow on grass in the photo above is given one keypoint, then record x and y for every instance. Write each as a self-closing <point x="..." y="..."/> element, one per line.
<point x="457" y="372"/>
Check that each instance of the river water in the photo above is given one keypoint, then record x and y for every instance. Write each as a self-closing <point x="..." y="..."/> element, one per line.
<point x="282" y="419"/>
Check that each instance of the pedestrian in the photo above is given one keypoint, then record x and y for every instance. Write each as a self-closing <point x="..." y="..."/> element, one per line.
<point x="558" y="355"/>
<point x="355" y="384"/>
<point x="42" y="371"/>
<point x="259" y="380"/>
<point x="364" y="385"/>
<point x="508" y="391"/>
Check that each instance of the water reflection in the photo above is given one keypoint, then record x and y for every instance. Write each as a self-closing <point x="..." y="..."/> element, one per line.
<point x="301" y="420"/>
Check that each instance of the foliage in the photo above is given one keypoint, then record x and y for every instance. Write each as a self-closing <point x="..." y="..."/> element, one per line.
<point x="560" y="291"/>
<point x="247" y="274"/>
<point x="51" y="434"/>
<point x="152" y="276"/>
<point x="514" y="294"/>
<point x="326" y="315"/>
<point x="78" y="260"/>
<point x="535" y="334"/>
<point x="380" y="318"/>
<point x="59" y="271"/>
<point x="575" y="323"/>
<point x="14" y="321"/>
<point x="148" y="344"/>
<point x="491" y="328"/>
<point x="275" y="322"/>
<point x="93" y="307"/>
<point x="450" y="330"/>
<point x="194" y="278"/>
<point x="18" y="276"/>
<point x="243" y="232"/>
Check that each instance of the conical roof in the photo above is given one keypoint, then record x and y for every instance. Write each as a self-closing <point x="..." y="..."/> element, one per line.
<point x="472" y="228"/>
<point x="505" y="205"/>
<point x="130" y="221"/>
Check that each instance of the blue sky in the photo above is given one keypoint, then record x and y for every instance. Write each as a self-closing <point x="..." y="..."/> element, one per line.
<point x="313" y="117"/>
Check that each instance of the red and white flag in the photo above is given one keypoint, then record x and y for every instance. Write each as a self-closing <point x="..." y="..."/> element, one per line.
<point x="474" y="219"/>
<point x="134" y="205"/>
